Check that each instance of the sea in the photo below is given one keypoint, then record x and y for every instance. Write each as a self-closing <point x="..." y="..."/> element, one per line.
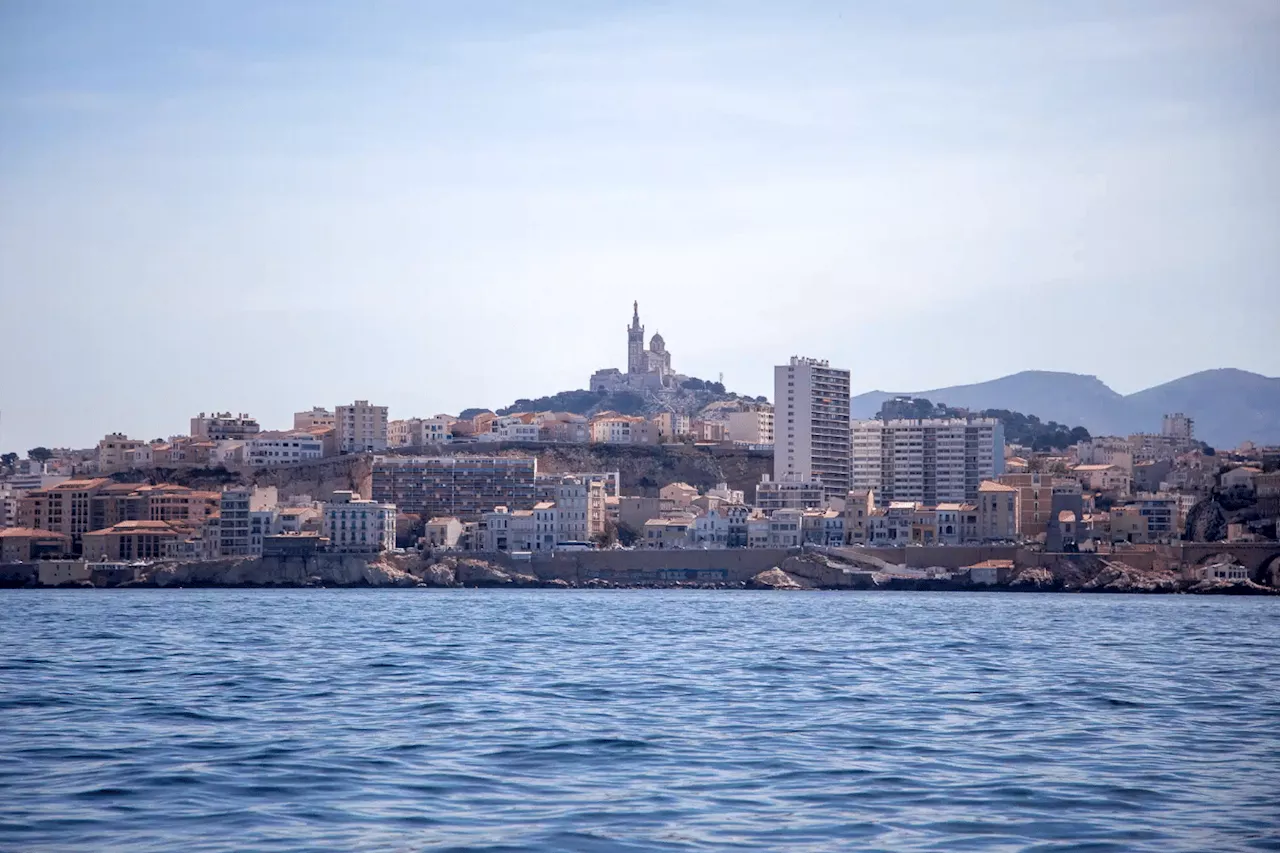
<point x="554" y="720"/>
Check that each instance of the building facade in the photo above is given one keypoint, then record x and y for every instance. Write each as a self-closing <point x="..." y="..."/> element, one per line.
<point x="811" y="424"/>
<point x="355" y="526"/>
<point x="463" y="486"/>
<point x="926" y="461"/>
<point x="361" y="428"/>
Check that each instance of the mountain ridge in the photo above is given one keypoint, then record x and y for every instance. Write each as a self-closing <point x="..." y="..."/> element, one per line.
<point x="1229" y="405"/>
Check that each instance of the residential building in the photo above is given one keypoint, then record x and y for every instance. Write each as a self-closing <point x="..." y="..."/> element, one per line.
<point x="1035" y="501"/>
<point x="281" y="448"/>
<point x="786" y="528"/>
<point x="420" y="432"/>
<point x="564" y="428"/>
<point x="1162" y="514"/>
<point x="65" y="508"/>
<point x="758" y="531"/>
<point x="726" y="494"/>
<point x="823" y="527"/>
<point x="1148" y="476"/>
<point x="465" y="486"/>
<point x="811" y="424"/>
<point x="711" y="530"/>
<point x="998" y="511"/>
<point x="672" y="426"/>
<point x="134" y="540"/>
<point x="791" y="492"/>
<point x="857" y="512"/>
<point x="24" y="544"/>
<point x="1178" y="426"/>
<point x="680" y="494"/>
<point x="1102" y="478"/>
<point x="928" y="460"/>
<point x="579" y="509"/>
<point x="706" y="430"/>
<point x="361" y="428"/>
<point x="217" y="426"/>
<point x="359" y="526"/>
<point x="1241" y="478"/>
<point x="234" y="539"/>
<point x="892" y="525"/>
<point x="113" y="452"/>
<point x="442" y="532"/>
<point x="668" y="532"/>
<point x="634" y="511"/>
<point x="754" y="426"/>
<point x="1105" y="450"/>
<point x="318" y="418"/>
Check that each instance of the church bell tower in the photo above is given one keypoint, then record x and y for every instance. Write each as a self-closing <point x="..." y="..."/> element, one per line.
<point x="635" y="342"/>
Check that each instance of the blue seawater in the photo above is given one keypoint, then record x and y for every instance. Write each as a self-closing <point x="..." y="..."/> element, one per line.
<point x="201" y="720"/>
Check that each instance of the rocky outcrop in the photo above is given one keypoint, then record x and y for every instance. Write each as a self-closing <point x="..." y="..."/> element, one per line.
<point x="1115" y="576"/>
<point x="1036" y="577"/>
<point x="778" y="579"/>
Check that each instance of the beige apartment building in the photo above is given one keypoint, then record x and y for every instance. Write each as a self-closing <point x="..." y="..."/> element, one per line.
<point x="361" y="428"/>
<point x="318" y="418"/>
<point x="114" y="452"/>
<point x="1035" y="501"/>
<point x="754" y="426"/>
<point x="998" y="512"/>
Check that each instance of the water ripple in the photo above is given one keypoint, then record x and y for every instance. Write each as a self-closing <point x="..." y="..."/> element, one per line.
<point x="217" y="720"/>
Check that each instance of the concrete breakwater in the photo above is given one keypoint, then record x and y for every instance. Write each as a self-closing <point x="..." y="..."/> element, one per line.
<point x="792" y="569"/>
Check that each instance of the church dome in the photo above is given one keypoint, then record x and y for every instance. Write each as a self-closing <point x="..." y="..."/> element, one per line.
<point x="657" y="344"/>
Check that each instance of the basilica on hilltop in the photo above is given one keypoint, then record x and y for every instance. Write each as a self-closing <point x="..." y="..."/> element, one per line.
<point x="647" y="369"/>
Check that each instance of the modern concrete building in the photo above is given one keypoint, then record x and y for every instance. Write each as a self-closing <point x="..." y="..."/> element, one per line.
<point x="926" y="461"/>
<point x="318" y="418"/>
<point x="789" y="493"/>
<point x="217" y="426"/>
<point x="811" y="424"/>
<point x="281" y="448"/>
<point x="754" y="426"/>
<point x="1179" y="426"/>
<point x="355" y="526"/>
<point x="464" y="486"/>
<point x="361" y="428"/>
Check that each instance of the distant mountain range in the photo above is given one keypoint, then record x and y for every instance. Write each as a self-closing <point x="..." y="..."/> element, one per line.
<point x="1229" y="406"/>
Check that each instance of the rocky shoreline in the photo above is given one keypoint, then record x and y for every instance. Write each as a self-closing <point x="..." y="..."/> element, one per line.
<point x="795" y="573"/>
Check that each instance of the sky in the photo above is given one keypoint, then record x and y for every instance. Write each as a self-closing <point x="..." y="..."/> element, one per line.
<point x="267" y="206"/>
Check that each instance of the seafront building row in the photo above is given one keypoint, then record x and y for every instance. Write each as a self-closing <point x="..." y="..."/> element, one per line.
<point x="834" y="480"/>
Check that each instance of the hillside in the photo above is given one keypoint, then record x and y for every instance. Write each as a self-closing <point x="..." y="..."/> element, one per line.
<point x="1229" y="406"/>
<point x="691" y="398"/>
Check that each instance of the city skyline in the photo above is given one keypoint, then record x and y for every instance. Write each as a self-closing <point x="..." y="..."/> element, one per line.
<point x="280" y="206"/>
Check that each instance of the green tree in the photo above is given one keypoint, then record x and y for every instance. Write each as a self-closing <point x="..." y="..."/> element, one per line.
<point x="626" y="535"/>
<point x="8" y="460"/>
<point x="40" y="454"/>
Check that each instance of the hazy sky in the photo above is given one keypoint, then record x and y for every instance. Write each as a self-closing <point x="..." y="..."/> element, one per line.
<point x="264" y="206"/>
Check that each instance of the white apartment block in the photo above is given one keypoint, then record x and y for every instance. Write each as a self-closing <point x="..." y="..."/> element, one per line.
<point x="281" y="448"/>
<point x="811" y="424"/>
<point x="355" y="526"/>
<point x="361" y="428"/>
<point x="926" y="461"/>
<point x="752" y="427"/>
